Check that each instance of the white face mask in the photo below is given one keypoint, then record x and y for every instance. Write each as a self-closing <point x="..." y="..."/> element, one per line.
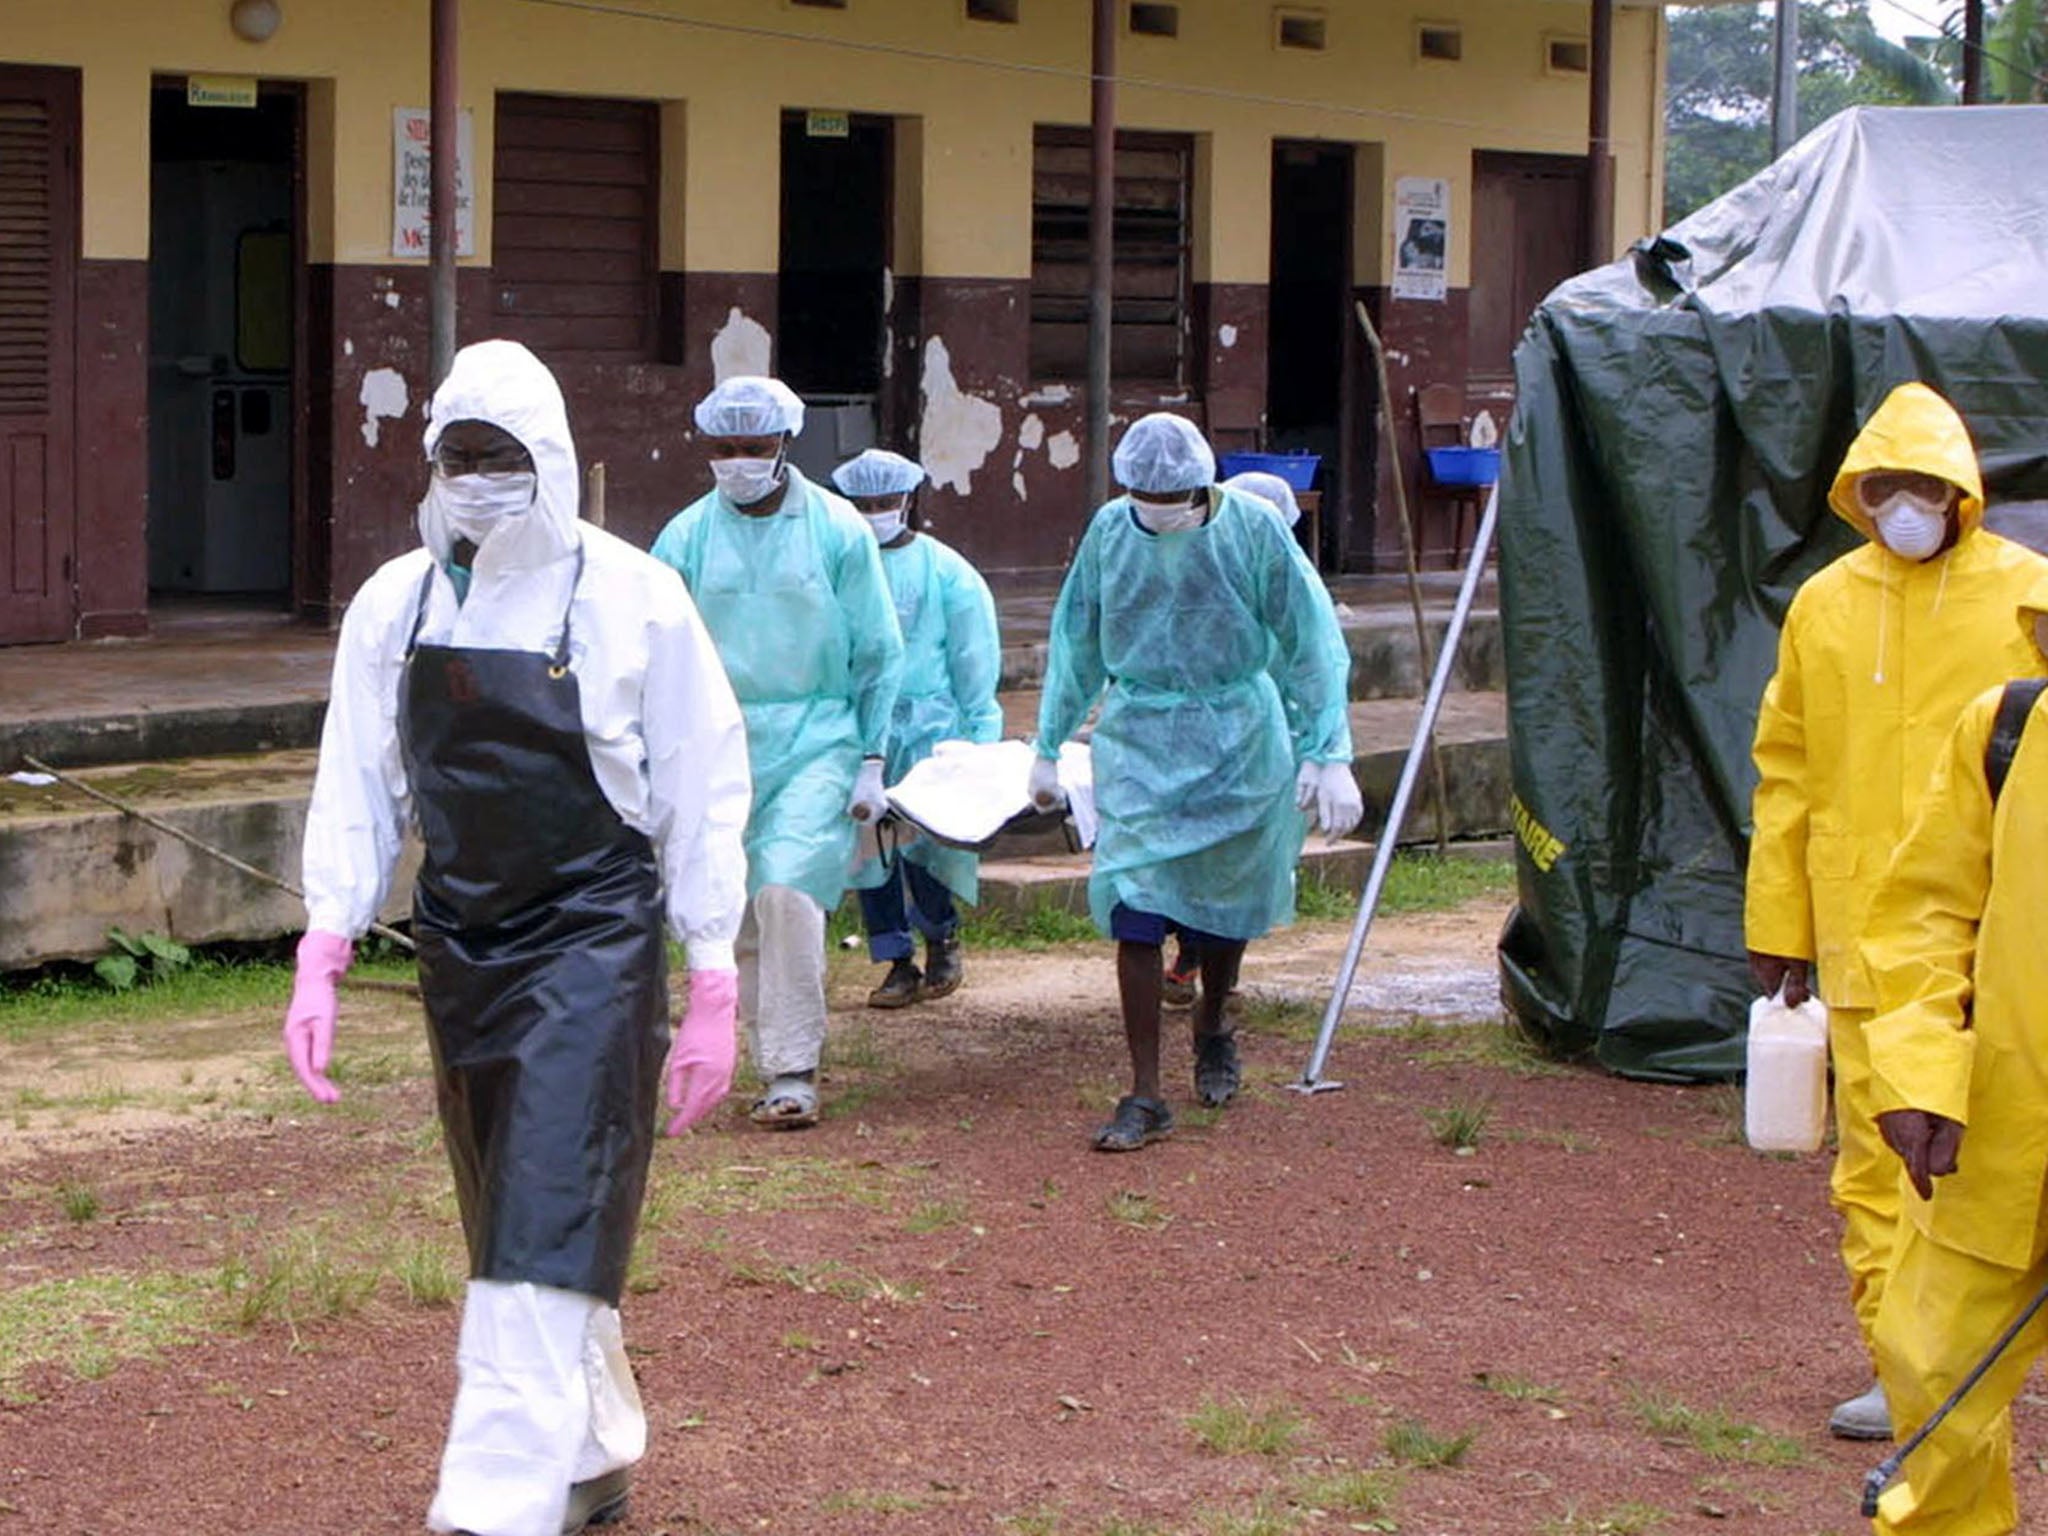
<point x="1172" y="517"/>
<point x="746" y="481"/>
<point x="888" y="526"/>
<point x="476" y="504"/>
<point x="1910" y="526"/>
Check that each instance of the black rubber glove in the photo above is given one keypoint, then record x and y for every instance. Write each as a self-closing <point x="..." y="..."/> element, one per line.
<point x="1927" y="1143"/>
<point x="1771" y="971"/>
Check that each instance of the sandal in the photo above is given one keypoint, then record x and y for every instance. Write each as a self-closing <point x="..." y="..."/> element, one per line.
<point x="790" y="1104"/>
<point x="1217" y="1073"/>
<point x="1137" y="1122"/>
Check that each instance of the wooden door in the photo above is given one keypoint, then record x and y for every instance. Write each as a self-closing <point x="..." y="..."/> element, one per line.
<point x="38" y="304"/>
<point x="1528" y="235"/>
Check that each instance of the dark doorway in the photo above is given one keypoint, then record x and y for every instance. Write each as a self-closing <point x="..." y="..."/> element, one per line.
<point x="224" y="270"/>
<point x="38" y="321"/>
<point x="1308" y="357"/>
<point x="1528" y="235"/>
<point x="831" y="300"/>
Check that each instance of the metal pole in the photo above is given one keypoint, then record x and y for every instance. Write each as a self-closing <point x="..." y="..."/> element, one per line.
<point x="444" y="104"/>
<point x="1973" y="52"/>
<point x="1785" y="79"/>
<point x="1312" y="1080"/>
<point x="1101" y="243"/>
<point x="1599" y="135"/>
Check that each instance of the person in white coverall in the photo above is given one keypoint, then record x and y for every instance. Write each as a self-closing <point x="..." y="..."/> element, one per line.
<point x="791" y="586"/>
<point x="543" y="702"/>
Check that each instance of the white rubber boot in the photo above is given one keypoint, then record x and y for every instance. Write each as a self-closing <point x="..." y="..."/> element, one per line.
<point x="1868" y="1417"/>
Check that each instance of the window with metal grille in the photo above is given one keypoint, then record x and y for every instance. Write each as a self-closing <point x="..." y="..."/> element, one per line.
<point x="576" y="187"/>
<point x="28" y="261"/>
<point x="1149" y="295"/>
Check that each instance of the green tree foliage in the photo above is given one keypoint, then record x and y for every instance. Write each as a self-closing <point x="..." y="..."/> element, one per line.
<point x="1717" y="112"/>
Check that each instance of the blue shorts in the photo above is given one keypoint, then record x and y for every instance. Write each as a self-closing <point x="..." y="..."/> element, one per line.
<point x="1127" y="925"/>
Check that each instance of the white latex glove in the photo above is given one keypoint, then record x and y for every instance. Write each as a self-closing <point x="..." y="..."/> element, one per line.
<point x="868" y="803"/>
<point x="1331" y="792"/>
<point x="1044" y="784"/>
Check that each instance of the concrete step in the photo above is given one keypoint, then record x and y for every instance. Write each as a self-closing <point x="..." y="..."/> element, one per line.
<point x="70" y="868"/>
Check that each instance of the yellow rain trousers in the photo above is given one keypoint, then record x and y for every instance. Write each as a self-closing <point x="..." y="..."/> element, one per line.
<point x="1954" y="951"/>
<point x="1877" y="658"/>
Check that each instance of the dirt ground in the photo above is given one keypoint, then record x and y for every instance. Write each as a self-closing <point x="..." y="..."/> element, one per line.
<point x="223" y="1309"/>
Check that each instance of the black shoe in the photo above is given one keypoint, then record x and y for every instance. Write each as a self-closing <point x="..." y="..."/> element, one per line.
<point x="903" y="986"/>
<point x="944" y="970"/>
<point x="1136" y="1123"/>
<point x="601" y="1501"/>
<point x="1217" y="1074"/>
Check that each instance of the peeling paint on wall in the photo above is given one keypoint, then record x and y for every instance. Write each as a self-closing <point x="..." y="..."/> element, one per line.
<point x="741" y="347"/>
<point x="1031" y="433"/>
<point x="1052" y="394"/>
<point x="957" y="431"/>
<point x="1227" y="335"/>
<point x="1063" y="450"/>
<point x="1017" y="485"/>
<point x="383" y="395"/>
<point x="348" y="347"/>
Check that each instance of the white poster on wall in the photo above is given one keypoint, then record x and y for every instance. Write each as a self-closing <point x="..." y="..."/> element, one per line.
<point x="1422" y="237"/>
<point x="411" y="178"/>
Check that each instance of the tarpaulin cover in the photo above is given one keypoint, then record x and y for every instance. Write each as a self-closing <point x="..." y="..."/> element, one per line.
<point x="1679" y="416"/>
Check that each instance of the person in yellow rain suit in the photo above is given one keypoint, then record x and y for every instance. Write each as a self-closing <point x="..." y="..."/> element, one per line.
<point x="1960" y="1039"/>
<point x="1881" y="650"/>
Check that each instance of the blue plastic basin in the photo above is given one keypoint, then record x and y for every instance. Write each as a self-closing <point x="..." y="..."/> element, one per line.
<point x="1297" y="469"/>
<point x="1464" y="466"/>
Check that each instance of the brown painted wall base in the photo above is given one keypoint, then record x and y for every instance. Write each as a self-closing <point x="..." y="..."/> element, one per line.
<point x="113" y="449"/>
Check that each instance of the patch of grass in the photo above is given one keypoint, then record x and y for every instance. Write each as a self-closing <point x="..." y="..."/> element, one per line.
<point x="1234" y="1427"/>
<point x="1135" y="1208"/>
<point x="1316" y="900"/>
<point x="428" y="1274"/>
<point x="1714" y="1433"/>
<point x="935" y="1216"/>
<point x="1623" y="1520"/>
<point x="377" y="1069"/>
<point x="798" y="1343"/>
<point x="293" y="1281"/>
<point x="873" y="1501"/>
<point x="87" y="1324"/>
<point x="1036" y="928"/>
<point x="1355" y="1491"/>
<point x="1265" y="1517"/>
<point x="1121" y="1527"/>
<point x="63" y="997"/>
<point x="1414" y="1444"/>
<point x="81" y="1202"/>
<point x="1503" y="1045"/>
<point x="1430" y="882"/>
<point x="858" y="1048"/>
<point x="1042" y="1521"/>
<point x="829" y="1278"/>
<point x="1723" y="1103"/>
<point x="1519" y="1389"/>
<point x="1278" y="1018"/>
<point x="1460" y="1123"/>
<point x="786" y="1184"/>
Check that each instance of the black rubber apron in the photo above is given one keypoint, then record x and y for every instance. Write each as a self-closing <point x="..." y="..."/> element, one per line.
<point x="543" y="963"/>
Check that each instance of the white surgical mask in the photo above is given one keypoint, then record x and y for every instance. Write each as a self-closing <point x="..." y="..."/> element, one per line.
<point x="475" y="504"/>
<point x="1172" y="517"/>
<point x="746" y="481"/>
<point x="1910" y="526"/>
<point x="888" y="526"/>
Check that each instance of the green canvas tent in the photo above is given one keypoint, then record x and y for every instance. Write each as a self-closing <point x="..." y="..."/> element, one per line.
<point x="1679" y="417"/>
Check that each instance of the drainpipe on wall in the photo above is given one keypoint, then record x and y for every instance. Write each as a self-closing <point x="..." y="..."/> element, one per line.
<point x="1785" y="79"/>
<point x="1599" y="157"/>
<point x="445" y="109"/>
<point x="1101" y="249"/>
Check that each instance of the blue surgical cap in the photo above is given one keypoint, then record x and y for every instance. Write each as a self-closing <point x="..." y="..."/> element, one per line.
<point x="1256" y="482"/>
<point x="1163" y="452"/>
<point x="878" y="472"/>
<point x="749" y="406"/>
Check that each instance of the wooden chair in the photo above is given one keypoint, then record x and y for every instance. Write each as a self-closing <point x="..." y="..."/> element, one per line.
<point x="1440" y="423"/>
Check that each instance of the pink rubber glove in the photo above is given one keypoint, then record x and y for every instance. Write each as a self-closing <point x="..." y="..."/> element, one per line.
<point x="309" y="1022"/>
<point x="700" y="1067"/>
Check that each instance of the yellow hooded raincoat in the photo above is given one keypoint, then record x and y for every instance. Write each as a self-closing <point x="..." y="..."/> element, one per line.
<point x="1954" y="951"/>
<point x="1878" y="656"/>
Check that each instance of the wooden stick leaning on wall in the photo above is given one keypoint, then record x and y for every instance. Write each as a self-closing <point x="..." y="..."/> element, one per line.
<point x="1424" y="650"/>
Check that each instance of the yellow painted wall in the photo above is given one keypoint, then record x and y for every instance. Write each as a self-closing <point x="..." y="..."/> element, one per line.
<point x="976" y="89"/>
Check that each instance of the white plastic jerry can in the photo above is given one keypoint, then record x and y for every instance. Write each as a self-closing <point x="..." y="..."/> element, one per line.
<point x="1785" y="1102"/>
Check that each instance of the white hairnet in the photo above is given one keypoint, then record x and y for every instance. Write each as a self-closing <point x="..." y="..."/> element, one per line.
<point x="1256" y="482"/>
<point x="1163" y="452"/>
<point x="747" y="405"/>
<point x="878" y="472"/>
<point x="502" y="383"/>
